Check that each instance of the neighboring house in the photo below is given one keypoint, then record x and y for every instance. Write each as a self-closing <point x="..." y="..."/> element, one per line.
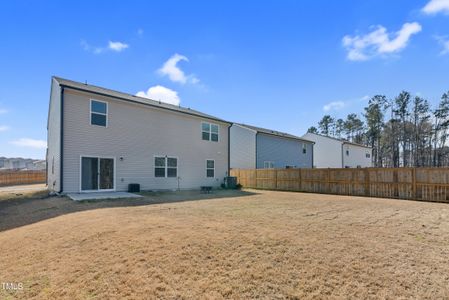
<point x="256" y="148"/>
<point x="330" y="152"/>
<point x="18" y="163"/>
<point x="103" y="140"/>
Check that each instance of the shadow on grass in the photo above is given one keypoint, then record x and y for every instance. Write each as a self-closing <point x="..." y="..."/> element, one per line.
<point x="19" y="212"/>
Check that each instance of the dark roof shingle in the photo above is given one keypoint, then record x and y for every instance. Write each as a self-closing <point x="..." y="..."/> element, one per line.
<point x="132" y="98"/>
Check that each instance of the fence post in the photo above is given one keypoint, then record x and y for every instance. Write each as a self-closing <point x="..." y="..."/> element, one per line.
<point x="328" y="180"/>
<point x="414" y="183"/>
<point x="300" y="180"/>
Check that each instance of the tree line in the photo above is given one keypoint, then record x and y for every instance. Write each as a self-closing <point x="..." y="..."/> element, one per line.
<point x="404" y="131"/>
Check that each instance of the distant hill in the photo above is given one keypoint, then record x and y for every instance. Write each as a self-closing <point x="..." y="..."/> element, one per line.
<point x="19" y="163"/>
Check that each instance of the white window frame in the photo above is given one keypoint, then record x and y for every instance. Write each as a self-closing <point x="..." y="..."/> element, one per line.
<point x="166" y="167"/>
<point x="207" y="168"/>
<point x="93" y="112"/>
<point x="270" y="163"/>
<point x="210" y="132"/>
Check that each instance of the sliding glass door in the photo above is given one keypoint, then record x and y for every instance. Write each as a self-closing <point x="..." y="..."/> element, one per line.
<point x="97" y="173"/>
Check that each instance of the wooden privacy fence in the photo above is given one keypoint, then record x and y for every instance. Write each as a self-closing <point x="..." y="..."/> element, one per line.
<point x="427" y="184"/>
<point x="22" y="177"/>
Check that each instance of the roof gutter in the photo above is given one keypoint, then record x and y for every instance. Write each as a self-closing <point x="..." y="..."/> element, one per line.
<point x="147" y="104"/>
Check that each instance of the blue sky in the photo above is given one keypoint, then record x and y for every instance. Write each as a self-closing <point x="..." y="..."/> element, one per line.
<point x="275" y="64"/>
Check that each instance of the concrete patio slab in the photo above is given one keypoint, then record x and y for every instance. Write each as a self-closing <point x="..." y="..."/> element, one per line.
<point x="101" y="195"/>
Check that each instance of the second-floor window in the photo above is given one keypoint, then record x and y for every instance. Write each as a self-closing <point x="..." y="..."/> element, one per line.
<point x="209" y="132"/>
<point x="304" y="148"/>
<point x="368" y="155"/>
<point x="98" y="113"/>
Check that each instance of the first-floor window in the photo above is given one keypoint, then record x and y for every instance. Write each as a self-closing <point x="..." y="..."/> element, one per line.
<point x="368" y="155"/>
<point x="165" y="166"/>
<point x="210" y="168"/>
<point x="268" y="165"/>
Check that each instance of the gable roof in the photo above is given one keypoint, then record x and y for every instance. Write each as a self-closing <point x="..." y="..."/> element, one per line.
<point x="132" y="98"/>
<point x="274" y="132"/>
<point x="340" y="140"/>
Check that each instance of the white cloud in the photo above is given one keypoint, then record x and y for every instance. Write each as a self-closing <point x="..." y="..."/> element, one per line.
<point x="117" y="46"/>
<point x="379" y="42"/>
<point x="339" y="105"/>
<point x="173" y="72"/>
<point x="3" y="111"/>
<point x="31" y="143"/>
<point x="4" y="128"/>
<point x="444" y="42"/>
<point x="436" y="6"/>
<point x="112" y="46"/>
<point x="160" y="93"/>
<point x="335" y="105"/>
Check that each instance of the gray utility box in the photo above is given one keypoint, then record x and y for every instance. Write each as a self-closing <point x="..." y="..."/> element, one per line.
<point x="231" y="182"/>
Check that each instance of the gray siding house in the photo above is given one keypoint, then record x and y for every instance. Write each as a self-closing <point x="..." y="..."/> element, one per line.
<point x="257" y="148"/>
<point x="103" y="140"/>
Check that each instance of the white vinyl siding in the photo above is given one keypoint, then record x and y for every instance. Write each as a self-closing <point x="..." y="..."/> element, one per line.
<point x="137" y="133"/>
<point x="242" y="148"/>
<point x="54" y="138"/>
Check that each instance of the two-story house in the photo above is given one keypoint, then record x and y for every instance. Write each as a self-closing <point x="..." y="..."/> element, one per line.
<point x="330" y="152"/>
<point x="260" y="148"/>
<point x="103" y="140"/>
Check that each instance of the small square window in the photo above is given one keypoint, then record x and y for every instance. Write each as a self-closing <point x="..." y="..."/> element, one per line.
<point x="214" y="128"/>
<point x="206" y="136"/>
<point x="172" y="172"/>
<point x="172" y="162"/>
<point x="368" y="155"/>
<point x="159" y="161"/>
<point x="214" y="137"/>
<point x="98" y="107"/>
<point x="206" y="127"/>
<point x="159" y="172"/>
<point x="99" y="120"/>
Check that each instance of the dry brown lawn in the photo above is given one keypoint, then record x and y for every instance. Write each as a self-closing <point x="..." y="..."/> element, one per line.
<point x="23" y="192"/>
<point x="268" y="245"/>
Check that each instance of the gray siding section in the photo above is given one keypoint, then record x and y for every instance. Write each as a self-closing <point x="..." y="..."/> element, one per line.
<point x="138" y="133"/>
<point x="283" y="152"/>
<point x="242" y="148"/>
<point x="54" y="138"/>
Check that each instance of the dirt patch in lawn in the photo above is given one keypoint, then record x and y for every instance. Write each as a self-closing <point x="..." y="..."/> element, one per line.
<point x="32" y="191"/>
<point x="266" y="245"/>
